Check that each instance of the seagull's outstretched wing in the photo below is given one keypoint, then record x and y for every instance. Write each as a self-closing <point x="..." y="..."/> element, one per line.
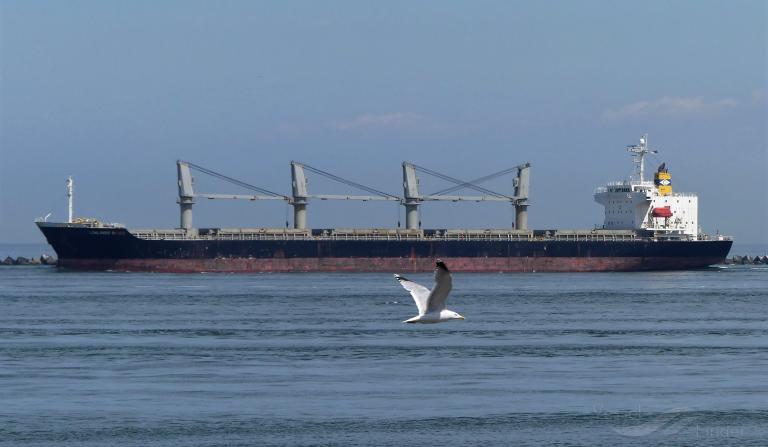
<point x="419" y="293"/>
<point x="443" y="286"/>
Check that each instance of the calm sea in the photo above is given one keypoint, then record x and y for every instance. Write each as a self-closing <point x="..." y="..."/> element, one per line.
<point x="96" y="359"/>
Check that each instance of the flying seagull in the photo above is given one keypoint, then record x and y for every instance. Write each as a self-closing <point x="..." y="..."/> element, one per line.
<point x="431" y="304"/>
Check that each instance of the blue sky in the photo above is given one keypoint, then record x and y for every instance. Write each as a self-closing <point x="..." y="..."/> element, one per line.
<point x="115" y="92"/>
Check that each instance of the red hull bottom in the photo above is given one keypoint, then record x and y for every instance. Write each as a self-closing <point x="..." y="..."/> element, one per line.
<point x="394" y="265"/>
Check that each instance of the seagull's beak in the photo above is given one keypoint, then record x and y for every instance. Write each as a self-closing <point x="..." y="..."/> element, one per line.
<point x="461" y="317"/>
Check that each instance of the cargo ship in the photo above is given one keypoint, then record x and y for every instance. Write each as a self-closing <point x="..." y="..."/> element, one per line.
<point x="646" y="226"/>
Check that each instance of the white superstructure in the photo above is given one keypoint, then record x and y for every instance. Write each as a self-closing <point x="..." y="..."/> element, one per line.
<point x="649" y="205"/>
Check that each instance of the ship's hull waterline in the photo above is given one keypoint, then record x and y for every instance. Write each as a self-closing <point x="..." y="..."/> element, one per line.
<point x="469" y="265"/>
<point x="116" y="249"/>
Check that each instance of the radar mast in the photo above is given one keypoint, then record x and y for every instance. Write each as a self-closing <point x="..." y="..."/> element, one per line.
<point x="638" y="155"/>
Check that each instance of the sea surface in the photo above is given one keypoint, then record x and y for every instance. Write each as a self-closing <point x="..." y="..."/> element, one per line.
<point x="130" y="359"/>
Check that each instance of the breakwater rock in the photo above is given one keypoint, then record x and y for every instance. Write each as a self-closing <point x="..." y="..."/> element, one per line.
<point x="747" y="260"/>
<point x="21" y="260"/>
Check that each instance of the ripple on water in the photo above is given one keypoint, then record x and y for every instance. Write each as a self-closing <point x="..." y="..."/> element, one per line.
<point x="542" y="359"/>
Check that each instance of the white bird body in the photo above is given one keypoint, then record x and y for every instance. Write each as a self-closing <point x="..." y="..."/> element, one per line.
<point x="431" y="303"/>
<point x="435" y="317"/>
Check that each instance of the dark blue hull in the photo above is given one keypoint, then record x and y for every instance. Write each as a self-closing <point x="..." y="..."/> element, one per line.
<point x="119" y="249"/>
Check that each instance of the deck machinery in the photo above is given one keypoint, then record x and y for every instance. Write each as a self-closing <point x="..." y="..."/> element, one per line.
<point x="411" y="198"/>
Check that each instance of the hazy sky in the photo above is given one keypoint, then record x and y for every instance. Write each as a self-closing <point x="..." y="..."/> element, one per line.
<point x="114" y="92"/>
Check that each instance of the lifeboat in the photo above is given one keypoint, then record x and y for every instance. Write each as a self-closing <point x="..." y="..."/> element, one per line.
<point x="662" y="212"/>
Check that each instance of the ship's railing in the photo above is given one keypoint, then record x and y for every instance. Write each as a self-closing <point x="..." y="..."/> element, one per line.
<point x="605" y="189"/>
<point x="333" y="237"/>
<point x="158" y="235"/>
<point x="595" y="235"/>
<point x="389" y="235"/>
<point x="683" y="194"/>
<point x="87" y="222"/>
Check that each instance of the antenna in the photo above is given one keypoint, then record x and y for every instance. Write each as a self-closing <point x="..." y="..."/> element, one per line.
<point x="70" y="193"/>
<point x="638" y="155"/>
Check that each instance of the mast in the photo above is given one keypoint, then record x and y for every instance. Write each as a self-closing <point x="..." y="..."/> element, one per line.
<point x="411" y="196"/>
<point x="186" y="194"/>
<point x="521" y="185"/>
<point x="638" y="155"/>
<point x="70" y="191"/>
<point x="300" y="195"/>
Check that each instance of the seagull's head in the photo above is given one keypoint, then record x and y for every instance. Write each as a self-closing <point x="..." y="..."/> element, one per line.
<point x="456" y="316"/>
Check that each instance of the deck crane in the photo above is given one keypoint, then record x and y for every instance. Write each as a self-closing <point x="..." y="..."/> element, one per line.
<point x="187" y="194"/>
<point x="300" y="194"/>
<point x="298" y="200"/>
<point x="413" y="199"/>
